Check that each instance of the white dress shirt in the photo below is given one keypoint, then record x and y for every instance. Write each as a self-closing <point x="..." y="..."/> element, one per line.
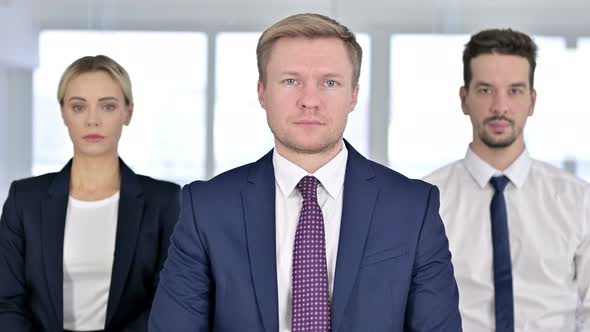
<point x="288" y="205"/>
<point x="89" y="248"/>
<point x="549" y="226"/>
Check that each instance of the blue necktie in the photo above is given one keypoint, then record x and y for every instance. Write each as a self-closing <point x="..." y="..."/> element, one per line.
<point x="504" y="300"/>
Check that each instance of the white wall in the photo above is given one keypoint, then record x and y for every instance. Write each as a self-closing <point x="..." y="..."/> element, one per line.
<point x="3" y="135"/>
<point x="568" y="17"/>
<point x="18" y="55"/>
<point x="15" y="126"/>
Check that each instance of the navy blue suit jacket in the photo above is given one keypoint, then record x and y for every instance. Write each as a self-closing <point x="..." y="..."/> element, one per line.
<point x="393" y="267"/>
<point x="31" y="251"/>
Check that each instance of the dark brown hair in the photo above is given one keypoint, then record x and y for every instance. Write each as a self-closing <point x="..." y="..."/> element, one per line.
<point x="499" y="41"/>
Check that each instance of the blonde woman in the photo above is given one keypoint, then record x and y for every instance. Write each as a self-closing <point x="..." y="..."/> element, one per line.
<point x="81" y="249"/>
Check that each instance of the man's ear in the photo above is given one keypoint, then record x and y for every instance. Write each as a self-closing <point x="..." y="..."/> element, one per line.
<point x="463" y="96"/>
<point x="354" y="99"/>
<point x="533" y="101"/>
<point x="261" y="88"/>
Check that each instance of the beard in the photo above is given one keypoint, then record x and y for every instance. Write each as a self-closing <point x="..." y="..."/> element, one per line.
<point x="498" y="143"/>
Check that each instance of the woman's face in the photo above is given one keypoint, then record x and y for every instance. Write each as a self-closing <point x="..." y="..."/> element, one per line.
<point x="94" y="111"/>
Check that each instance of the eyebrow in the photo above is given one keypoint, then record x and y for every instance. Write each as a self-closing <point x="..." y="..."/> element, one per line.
<point x="295" y="73"/>
<point x="100" y="99"/>
<point x="513" y="85"/>
<point x="290" y="73"/>
<point x="77" y="98"/>
<point x="333" y="76"/>
<point x="108" y="98"/>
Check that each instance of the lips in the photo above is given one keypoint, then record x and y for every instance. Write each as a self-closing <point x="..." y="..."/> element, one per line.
<point x="309" y="123"/>
<point x="93" y="138"/>
<point x="499" y="124"/>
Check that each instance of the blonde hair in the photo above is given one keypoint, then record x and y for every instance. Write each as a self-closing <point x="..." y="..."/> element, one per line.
<point x="311" y="26"/>
<point x="90" y="64"/>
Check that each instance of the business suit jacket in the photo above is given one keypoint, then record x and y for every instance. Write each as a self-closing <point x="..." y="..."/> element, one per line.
<point x="393" y="267"/>
<point x="31" y="251"/>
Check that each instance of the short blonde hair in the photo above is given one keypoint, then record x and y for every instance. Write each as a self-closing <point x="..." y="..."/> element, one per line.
<point x="311" y="26"/>
<point x="90" y="64"/>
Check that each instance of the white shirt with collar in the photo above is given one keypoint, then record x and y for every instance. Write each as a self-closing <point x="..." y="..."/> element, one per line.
<point x="288" y="203"/>
<point x="549" y="226"/>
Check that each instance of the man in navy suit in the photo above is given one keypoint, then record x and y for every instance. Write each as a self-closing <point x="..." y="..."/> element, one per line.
<point x="313" y="236"/>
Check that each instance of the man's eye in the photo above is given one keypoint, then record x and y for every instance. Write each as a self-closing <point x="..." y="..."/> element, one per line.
<point x="331" y="83"/>
<point x="290" y="81"/>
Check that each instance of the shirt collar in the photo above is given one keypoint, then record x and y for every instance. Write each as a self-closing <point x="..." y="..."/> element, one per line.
<point x="331" y="175"/>
<point x="482" y="172"/>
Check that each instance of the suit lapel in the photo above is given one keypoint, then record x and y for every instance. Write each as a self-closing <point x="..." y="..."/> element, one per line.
<point x="53" y="220"/>
<point x="358" y="205"/>
<point x="129" y="218"/>
<point x="258" y="198"/>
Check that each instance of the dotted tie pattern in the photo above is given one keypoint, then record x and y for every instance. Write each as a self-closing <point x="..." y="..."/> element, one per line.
<point x="311" y="303"/>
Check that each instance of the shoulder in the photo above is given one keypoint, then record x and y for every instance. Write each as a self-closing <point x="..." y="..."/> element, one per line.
<point x="150" y="184"/>
<point x="441" y="175"/>
<point x="159" y="192"/>
<point x="558" y="179"/>
<point x="229" y="181"/>
<point x="27" y="193"/>
<point x="392" y="182"/>
<point x="553" y="173"/>
<point x="32" y="187"/>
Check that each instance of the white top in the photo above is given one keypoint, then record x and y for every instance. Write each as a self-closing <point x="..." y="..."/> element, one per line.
<point x="288" y="205"/>
<point x="89" y="247"/>
<point x="549" y="225"/>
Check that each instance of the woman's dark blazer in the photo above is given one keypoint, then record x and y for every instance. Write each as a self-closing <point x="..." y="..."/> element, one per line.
<point x="31" y="251"/>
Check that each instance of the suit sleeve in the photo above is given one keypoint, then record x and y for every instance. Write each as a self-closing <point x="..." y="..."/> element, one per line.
<point x="433" y="301"/>
<point x="183" y="301"/>
<point x="168" y="219"/>
<point x="15" y="315"/>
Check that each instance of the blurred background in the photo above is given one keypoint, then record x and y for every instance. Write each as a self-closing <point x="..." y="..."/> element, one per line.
<point x="193" y="68"/>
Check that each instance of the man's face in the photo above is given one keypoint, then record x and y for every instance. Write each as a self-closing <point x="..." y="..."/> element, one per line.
<point x="499" y="99"/>
<point x="308" y="93"/>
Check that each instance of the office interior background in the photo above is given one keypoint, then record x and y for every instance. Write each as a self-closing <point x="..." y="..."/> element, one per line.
<point x="193" y="68"/>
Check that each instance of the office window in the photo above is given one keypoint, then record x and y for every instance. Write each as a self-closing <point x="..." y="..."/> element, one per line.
<point x="166" y="137"/>
<point x="558" y="132"/>
<point x="553" y="112"/>
<point x="241" y="132"/>
<point x="427" y="127"/>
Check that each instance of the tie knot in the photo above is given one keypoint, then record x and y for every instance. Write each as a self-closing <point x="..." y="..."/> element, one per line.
<point x="499" y="182"/>
<point x="308" y="187"/>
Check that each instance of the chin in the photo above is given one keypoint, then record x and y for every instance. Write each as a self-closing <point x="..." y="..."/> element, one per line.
<point x="314" y="147"/>
<point x="94" y="152"/>
<point x="499" y="143"/>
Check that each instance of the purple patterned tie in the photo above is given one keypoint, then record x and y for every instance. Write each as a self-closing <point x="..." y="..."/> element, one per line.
<point x="311" y="303"/>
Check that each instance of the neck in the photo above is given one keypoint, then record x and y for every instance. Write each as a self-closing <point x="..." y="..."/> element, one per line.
<point x="94" y="177"/>
<point x="310" y="162"/>
<point x="499" y="158"/>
